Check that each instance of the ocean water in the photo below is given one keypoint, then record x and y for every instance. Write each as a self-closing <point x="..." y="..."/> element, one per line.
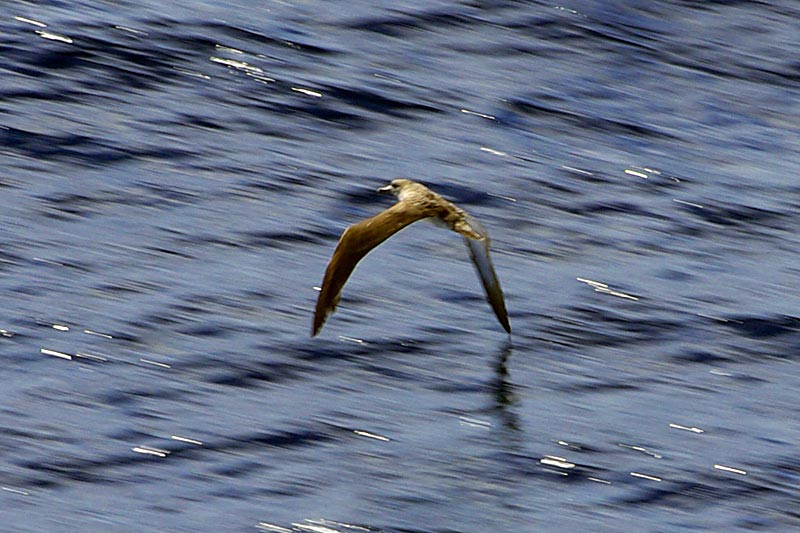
<point x="174" y="180"/>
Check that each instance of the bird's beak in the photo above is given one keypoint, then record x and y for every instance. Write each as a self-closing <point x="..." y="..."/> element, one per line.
<point x="388" y="188"/>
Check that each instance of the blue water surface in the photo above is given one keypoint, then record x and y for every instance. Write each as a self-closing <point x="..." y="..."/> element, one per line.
<point x="175" y="178"/>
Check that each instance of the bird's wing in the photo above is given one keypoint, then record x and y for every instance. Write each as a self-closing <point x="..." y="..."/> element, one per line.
<point x="354" y="244"/>
<point x="479" y="251"/>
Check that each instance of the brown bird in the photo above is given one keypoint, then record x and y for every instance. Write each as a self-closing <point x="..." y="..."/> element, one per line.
<point x="414" y="202"/>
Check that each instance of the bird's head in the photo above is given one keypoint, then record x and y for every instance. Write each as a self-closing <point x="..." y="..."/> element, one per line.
<point x="397" y="186"/>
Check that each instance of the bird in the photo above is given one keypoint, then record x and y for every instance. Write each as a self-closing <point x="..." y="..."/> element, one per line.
<point x="414" y="202"/>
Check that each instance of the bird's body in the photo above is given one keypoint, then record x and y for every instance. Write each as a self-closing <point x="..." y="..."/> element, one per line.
<point x="415" y="202"/>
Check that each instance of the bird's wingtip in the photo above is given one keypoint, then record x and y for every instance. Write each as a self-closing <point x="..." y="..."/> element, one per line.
<point x="316" y="326"/>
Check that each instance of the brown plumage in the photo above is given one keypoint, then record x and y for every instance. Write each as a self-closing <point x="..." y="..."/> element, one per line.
<point x="415" y="202"/>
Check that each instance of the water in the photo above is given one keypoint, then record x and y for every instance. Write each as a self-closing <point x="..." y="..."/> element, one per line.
<point x="175" y="179"/>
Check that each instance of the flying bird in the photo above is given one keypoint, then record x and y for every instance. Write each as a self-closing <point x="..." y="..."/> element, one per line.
<point x="414" y="202"/>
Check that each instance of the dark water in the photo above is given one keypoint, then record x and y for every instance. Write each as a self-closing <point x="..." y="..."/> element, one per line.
<point x="174" y="180"/>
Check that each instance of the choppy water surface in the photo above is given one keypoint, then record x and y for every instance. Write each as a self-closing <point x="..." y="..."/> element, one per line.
<point x="174" y="180"/>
